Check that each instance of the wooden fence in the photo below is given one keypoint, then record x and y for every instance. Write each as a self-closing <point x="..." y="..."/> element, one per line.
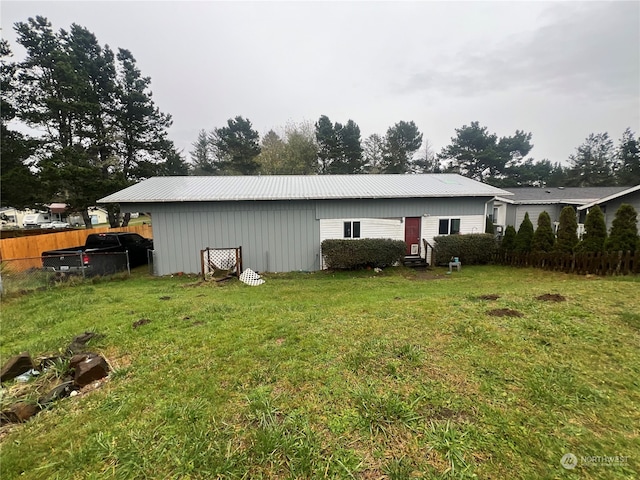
<point x="33" y="246"/>
<point x="600" y="263"/>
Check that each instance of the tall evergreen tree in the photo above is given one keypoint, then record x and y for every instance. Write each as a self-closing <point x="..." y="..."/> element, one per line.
<point x="595" y="231"/>
<point x="237" y="146"/>
<point x="349" y="159"/>
<point x="628" y="157"/>
<point x="327" y="140"/>
<point x="543" y="237"/>
<point x="567" y="235"/>
<point x="624" y="230"/>
<point x="202" y="157"/>
<point x="19" y="187"/>
<point x="593" y="163"/>
<point x="401" y="142"/>
<point x="508" y="243"/>
<point x="524" y="236"/>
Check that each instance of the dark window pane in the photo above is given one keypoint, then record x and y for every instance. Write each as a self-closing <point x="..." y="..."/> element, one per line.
<point x="444" y="226"/>
<point x="455" y="225"/>
<point x="347" y="229"/>
<point x="356" y="229"/>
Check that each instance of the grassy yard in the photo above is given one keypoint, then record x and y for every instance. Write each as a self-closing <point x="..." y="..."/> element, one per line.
<point x="338" y="375"/>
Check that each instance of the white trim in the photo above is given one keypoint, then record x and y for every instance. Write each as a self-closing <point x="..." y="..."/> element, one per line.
<point x="610" y="197"/>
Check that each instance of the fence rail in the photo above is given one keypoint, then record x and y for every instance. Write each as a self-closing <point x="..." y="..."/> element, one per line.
<point x="32" y="246"/>
<point x="600" y="263"/>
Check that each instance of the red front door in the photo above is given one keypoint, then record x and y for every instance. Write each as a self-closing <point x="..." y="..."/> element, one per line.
<point x="412" y="235"/>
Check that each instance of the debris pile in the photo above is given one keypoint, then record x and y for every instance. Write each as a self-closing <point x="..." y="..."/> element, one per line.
<point x="48" y="379"/>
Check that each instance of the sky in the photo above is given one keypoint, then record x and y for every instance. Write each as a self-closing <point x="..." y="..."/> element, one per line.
<point x="560" y="70"/>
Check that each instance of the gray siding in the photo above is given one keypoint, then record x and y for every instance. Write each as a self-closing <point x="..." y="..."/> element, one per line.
<point x="534" y="211"/>
<point x="612" y="206"/>
<point x="275" y="236"/>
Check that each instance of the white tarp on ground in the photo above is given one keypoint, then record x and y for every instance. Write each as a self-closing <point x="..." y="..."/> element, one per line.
<point x="251" y="278"/>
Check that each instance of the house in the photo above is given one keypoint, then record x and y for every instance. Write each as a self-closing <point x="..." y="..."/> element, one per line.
<point x="11" y="217"/>
<point x="534" y="200"/>
<point x="610" y="204"/>
<point x="281" y="220"/>
<point x="98" y="215"/>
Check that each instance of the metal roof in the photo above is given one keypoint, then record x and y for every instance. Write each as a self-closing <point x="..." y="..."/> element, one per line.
<point x="568" y="195"/>
<point x="300" y="187"/>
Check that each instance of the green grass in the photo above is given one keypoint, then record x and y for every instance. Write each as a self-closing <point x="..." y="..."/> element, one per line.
<point x="337" y="375"/>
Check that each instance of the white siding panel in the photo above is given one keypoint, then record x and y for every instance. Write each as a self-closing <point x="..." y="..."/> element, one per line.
<point x="468" y="224"/>
<point x="333" y="228"/>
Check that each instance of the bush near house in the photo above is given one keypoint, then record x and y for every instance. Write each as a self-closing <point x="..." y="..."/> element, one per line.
<point x="363" y="253"/>
<point x="472" y="249"/>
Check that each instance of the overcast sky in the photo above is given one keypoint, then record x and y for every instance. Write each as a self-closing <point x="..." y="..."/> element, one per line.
<point x="560" y="70"/>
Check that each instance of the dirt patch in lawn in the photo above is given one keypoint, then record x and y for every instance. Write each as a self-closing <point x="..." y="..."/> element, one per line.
<point x="427" y="275"/>
<point x="491" y="296"/>
<point x="504" y="312"/>
<point x="551" y="297"/>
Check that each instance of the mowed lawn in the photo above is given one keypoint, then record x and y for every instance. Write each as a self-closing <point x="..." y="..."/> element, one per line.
<point x="398" y="374"/>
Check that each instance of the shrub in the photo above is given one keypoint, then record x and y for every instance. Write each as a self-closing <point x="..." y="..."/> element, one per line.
<point x="472" y="248"/>
<point x="624" y="230"/>
<point x="567" y="237"/>
<point x="363" y="253"/>
<point x="543" y="237"/>
<point x="524" y="236"/>
<point x="508" y="243"/>
<point x="595" y="231"/>
<point x="488" y="226"/>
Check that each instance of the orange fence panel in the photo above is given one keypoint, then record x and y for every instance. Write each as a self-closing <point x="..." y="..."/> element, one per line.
<point x="34" y="245"/>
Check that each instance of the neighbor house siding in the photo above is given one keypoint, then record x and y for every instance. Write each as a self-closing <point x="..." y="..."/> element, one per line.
<point x="612" y="207"/>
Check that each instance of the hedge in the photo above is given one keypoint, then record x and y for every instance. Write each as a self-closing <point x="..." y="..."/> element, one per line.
<point x="472" y="249"/>
<point x="362" y="253"/>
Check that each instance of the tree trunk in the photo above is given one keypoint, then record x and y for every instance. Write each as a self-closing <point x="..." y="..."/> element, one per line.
<point x="113" y="213"/>
<point x="87" y="219"/>
<point x="125" y="219"/>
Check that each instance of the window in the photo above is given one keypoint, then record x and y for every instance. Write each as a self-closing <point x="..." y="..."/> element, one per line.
<point x="351" y="229"/>
<point x="494" y="216"/>
<point x="449" y="226"/>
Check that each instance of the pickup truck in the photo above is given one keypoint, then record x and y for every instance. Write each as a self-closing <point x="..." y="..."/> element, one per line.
<point x="102" y="253"/>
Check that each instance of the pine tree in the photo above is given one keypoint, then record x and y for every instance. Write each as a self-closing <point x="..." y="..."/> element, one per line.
<point x="595" y="231"/>
<point x="509" y="240"/>
<point x="543" y="237"/>
<point x="567" y="237"/>
<point x="488" y="225"/>
<point x="524" y="236"/>
<point x="624" y="230"/>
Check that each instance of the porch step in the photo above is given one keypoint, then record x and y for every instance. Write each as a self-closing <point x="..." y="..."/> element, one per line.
<point x="414" y="261"/>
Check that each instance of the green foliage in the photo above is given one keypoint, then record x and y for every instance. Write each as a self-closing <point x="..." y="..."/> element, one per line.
<point x="508" y="243"/>
<point x="236" y="147"/>
<point x="595" y="231"/>
<point x="339" y="147"/>
<point x="488" y="225"/>
<point x="567" y="235"/>
<point x="524" y="237"/>
<point x="624" y="230"/>
<point x="363" y="253"/>
<point x="472" y="249"/>
<point x="593" y="163"/>
<point x="628" y="157"/>
<point x="401" y="142"/>
<point x="478" y="154"/>
<point x="543" y="237"/>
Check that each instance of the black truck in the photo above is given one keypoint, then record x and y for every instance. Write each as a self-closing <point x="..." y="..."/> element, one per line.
<point x="102" y="253"/>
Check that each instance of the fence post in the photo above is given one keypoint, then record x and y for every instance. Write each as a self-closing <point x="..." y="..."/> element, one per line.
<point x="126" y="252"/>
<point x="82" y="265"/>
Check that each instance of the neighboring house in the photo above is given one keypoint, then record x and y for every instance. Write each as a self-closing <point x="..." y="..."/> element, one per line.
<point x="511" y="210"/>
<point x="98" y="215"/>
<point x="610" y="204"/>
<point x="11" y="217"/>
<point x="280" y="221"/>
